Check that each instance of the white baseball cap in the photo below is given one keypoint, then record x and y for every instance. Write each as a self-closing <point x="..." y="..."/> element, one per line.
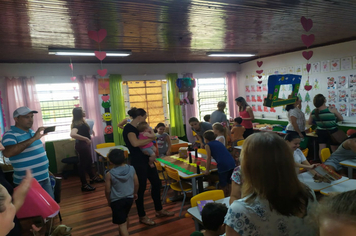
<point x="21" y="111"/>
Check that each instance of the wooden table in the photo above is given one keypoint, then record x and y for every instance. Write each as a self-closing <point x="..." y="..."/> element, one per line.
<point x="175" y="147"/>
<point x="345" y="186"/>
<point x="103" y="152"/>
<point x="185" y="169"/>
<point x="194" y="211"/>
<point x="350" y="164"/>
<point x="307" y="179"/>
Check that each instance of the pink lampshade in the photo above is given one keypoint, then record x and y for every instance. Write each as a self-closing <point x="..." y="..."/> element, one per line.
<point x="37" y="203"/>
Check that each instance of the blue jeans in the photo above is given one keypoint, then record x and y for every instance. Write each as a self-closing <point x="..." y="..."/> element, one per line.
<point x="46" y="185"/>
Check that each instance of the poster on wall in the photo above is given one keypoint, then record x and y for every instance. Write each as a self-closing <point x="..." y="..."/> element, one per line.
<point x="335" y="65"/>
<point x="325" y="66"/>
<point x="247" y="88"/>
<point x="332" y="96"/>
<point x="298" y="70"/>
<point x="343" y="96"/>
<point x="344" y="111"/>
<point x="343" y="82"/>
<point x="315" y="67"/>
<point x="352" y="81"/>
<point x="290" y="69"/>
<point x="346" y="63"/>
<point x="331" y="82"/>
<point x="316" y="85"/>
<point x="352" y="97"/>
<point x="353" y="109"/>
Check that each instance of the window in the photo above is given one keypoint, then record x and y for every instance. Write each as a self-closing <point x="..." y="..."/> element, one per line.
<point x="210" y="92"/>
<point x="57" y="102"/>
<point x="149" y="95"/>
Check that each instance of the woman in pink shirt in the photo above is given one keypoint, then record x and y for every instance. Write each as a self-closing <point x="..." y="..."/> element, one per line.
<point x="247" y="116"/>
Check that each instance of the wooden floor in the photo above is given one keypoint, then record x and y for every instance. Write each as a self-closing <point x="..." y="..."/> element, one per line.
<point x="89" y="214"/>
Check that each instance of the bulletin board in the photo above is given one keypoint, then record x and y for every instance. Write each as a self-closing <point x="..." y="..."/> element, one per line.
<point x="334" y="78"/>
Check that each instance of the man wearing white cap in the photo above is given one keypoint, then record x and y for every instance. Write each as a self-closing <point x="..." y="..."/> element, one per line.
<point x="25" y="149"/>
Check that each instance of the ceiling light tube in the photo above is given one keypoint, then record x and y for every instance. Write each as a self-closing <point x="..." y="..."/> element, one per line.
<point x="88" y="53"/>
<point x="227" y="54"/>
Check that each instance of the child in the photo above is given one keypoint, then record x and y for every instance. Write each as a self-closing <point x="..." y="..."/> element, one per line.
<point x="207" y="118"/>
<point x="121" y="185"/>
<point x="199" y="128"/>
<point x="148" y="149"/>
<point x="223" y="158"/>
<point x="336" y="215"/>
<point x="163" y="140"/>
<point x="221" y="133"/>
<point x="213" y="220"/>
<point x="293" y="140"/>
<point x="237" y="131"/>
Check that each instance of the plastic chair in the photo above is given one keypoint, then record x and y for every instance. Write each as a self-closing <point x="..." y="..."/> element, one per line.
<point x="202" y="151"/>
<point x="195" y="134"/>
<point x="163" y="177"/>
<point x="240" y="143"/>
<point x="178" y="186"/>
<point x="104" y="145"/>
<point x="305" y="152"/>
<point x="325" y="154"/>
<point x="103" y="160"/>
<point x="208" y="195"/>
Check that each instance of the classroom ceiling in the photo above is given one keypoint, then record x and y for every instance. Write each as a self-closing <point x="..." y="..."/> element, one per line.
<point x="168" y="30"/>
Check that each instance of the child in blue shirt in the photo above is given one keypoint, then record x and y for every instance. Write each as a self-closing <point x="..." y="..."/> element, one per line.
<point x="223" y="158"/>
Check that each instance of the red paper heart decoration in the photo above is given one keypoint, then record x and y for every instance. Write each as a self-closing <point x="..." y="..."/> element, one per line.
<point x="306" y="23"/>
<point x="75" y="97"/>
<point x="71" y="66"/>
<point x="308" y="87"/>
<point x="259" y="63"/>
<point x="308" y="40"/>
<point x="102" y="72"/>
<point x="100" y="55"/>
<point x="260" y="82"/>
<point x="104" y="85"/>
<point x="259" y="71"/>
<point x="105" y="98"/>
<point x="335" y="64"/>
<point x="307" y="54"/>
<point x="308" y="67"/>
<point x="259" y="76"/>
<point x="76" y="105"/>
<point x="97" y="36"/>
<point x="73" y="78"/>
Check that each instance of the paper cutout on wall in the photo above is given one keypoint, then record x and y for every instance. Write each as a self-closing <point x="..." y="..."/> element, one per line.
<point x="307" y="97"/>
<point x="106" y="104"/>
<point x="316" y="84"/>
<point x="108" y="129"/>
<point x="265" y="109"/>
<point x="272" y="110"/>
<point x="247" y="88"/>
<point x="331" y="82"/>
<point x="254" y="108"/>
<point x="325" y="66"/>
<point x="104" y="86"/>
<point x="107" y="116"/>
<point x="344" y="111"/>
<point x="253" y="98"/>
<point x="264" y="87"/>
<point x="307" y="109"/>
<point x="332" y="96"/>
<point x="259" y="98"/>
<point x="342" y="83"/>
<point x="259" y="108"/>
<point x="307" y="86"/>
<point x="258" y="88"/>
<point x="274" y="84"/>
<point x="346" y="63"/>
<point x="248" y="98"/>
<point x="300" y="97"/>
<point x="335" y="65"/>
<point x="352" y="95"/>
<point x="352" y="81"/>
<point x="353" y="109"/>
<point x="253" y="88"/>
<point x="343" y="96"/>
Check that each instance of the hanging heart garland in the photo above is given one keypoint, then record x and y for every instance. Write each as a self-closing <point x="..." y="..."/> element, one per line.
<point x="99" y="36"/>
<point x="308" y="40"/>
<point x="259" y="72"/>
<point x="73" y="78"/>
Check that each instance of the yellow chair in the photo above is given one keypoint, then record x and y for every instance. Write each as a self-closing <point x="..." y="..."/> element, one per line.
<point x="178" y="186"/>
<point x="195" y="134"/>
<point x="305" y="152"/>
<point x="163" y="177"/>
<point x="240" y="143"/>
<point x="325" y="154"/>
<point x="208" y="195"/>
<point x="103" y="160"/>
<point x="202" y="151"/>
<point x="104" y="145"/>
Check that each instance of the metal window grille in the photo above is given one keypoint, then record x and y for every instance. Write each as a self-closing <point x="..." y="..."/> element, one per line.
<point x="210" y="92"/>
<point x="150" y="95"/>
<point x="57" y="102"/>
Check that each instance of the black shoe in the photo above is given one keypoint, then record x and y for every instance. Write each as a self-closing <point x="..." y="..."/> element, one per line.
<point x="87" y="188"/>
<point x="96" y="179"/>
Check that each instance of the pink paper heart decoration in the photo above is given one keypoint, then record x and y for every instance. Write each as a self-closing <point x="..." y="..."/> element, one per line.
<point x="71" y="66"/>
<point x="260" y="82"/>
<point x="76" y="105"/>
<point x="259" y="76"/>
<point x="307" y="54"/>
<point x="97" y="36"/>
<point x="308" y="87"/>
<point x="308" y="67"/>
<point x="259" y="71"/>
<point x="73" y="78"/>
<point x="102" y="72"/>
<point x="104" y="85"/>
<point x="259" y="63"/>
<point x="306" y="23"/>
<point x="75" y="97"/>
<point x="105" y="98"/>
<point x="100" y="55"/>
<point x="308" y="40"/>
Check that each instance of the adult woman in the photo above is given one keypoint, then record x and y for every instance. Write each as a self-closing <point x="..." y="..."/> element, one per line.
<point x="219" y="115"/>
<point x="296" y="119"/>
<point x="140" y="162"/>
<point x="346" y="151"/>
<point x="326" y="119"/>
<point x="273" y="202"/>
<point x="247" y="116"/>
<point x="81" y="132"/>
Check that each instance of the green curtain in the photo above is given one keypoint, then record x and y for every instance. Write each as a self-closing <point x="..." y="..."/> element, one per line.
<point x="175" y="110"/>
<point x="117" y="107"/>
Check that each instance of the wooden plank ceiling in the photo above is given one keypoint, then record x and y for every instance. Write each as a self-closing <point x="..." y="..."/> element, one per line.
<point x="168" y="30"/>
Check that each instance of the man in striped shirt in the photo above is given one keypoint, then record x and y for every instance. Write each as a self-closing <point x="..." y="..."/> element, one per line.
<point x="25" y="149"/>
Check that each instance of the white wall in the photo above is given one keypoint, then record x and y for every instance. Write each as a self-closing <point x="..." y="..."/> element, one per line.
<point x="294" y="59"/>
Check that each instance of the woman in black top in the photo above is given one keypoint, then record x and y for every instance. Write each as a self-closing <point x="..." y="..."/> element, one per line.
<point x="81" y="132"/>
<point x="140" y="162"/>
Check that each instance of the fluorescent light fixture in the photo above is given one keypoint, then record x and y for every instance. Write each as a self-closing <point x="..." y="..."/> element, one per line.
<point x="228" y="54"/>
<point x="87" y="53"/>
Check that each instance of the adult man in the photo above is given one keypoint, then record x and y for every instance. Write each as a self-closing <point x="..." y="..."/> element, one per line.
<point x="25" y="149"/>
